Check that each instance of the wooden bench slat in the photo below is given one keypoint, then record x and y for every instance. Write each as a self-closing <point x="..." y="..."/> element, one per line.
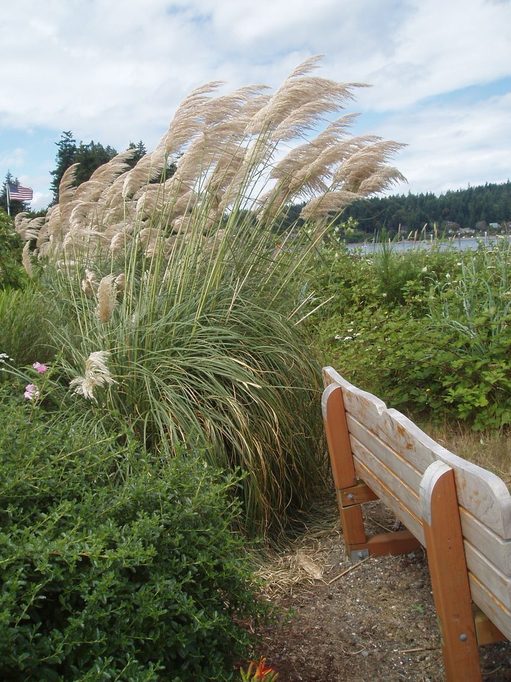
<point x="391" y="500"/>
<point x="387" y="475"/>
<point x="492" y="546"/>
<point x="479" y="491"/>
<point x="364" y="443"/>
<point x="405" y="505"/>
<point x="411" y="475"/>
<point x="486" y="572"/>
<point x="491" y="606"/>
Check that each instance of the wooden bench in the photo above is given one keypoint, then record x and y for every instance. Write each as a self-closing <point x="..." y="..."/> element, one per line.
<point x="458" y="511"/>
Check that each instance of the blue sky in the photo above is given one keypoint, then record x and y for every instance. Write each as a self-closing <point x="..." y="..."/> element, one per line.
<point x="115" y="72"/>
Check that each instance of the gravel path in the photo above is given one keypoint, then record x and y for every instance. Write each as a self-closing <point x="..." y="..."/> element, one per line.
<point x="372" y="621"/>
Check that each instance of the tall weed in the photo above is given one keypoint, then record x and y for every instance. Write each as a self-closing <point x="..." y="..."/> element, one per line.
<point x="27" y="319"/>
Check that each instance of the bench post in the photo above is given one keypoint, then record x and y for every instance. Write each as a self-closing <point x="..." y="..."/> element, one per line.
<point x="449" y="574"/>
<point x="351" y="492"/>
<point x="343" y="469"/>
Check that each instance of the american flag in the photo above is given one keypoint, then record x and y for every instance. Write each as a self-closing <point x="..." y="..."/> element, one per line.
<point x="19" y="193"/>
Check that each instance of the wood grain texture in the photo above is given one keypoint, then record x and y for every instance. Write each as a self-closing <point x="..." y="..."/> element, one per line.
<point x="448" y="571"/>
<point x="343" y="468"/>
<point x="479" y="491"/>
<point x="391" y="455"/>
<point x="486" y="631"/>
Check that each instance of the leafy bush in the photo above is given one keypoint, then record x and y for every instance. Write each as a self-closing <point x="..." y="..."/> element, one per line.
<point x="429" y="332"/>
<point x="472" y="312"/>
<point x="11" y="272"/>
<point x="113" y="566"/>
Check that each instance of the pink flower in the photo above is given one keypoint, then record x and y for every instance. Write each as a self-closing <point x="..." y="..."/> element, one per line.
<point x="39" y="367"/>
<point x="31" y="392"/>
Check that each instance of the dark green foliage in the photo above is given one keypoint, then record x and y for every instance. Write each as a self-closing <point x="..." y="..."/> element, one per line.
<point x="11" y="271"/>
<point x="15" y="206"/>
<point x="430" y="333"/>
<point x="113" y="566"/>
<point x="465" y="207"/>
<point x="65" y="157"/>
<point x="89" y="156"/>
<point x="140" y="151"/>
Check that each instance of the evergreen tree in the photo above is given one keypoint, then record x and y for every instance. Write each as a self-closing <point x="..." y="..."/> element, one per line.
<point x="65" y="157"/>
<point x="140" y="151"/>
<point x="89" y="156"/>
<point x="471" y="207"/>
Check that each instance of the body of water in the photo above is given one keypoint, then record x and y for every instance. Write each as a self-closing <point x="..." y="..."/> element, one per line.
<point x="456" y="243"/>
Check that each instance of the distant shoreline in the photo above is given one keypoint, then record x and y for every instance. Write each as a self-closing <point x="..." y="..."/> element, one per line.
<point x="456" y="243"/>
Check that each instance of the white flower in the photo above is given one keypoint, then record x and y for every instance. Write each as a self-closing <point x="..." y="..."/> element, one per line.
<point x="96" y="374"/>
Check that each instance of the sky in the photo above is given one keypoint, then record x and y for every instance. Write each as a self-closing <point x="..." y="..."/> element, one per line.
<point x="115" y="72"/>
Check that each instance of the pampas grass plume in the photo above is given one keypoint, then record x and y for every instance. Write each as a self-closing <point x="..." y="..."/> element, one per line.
<point x="26" y="260"/>
<point x="96" y="375"/>
<point x="89" y="283"/>
<point x="107" y="293"/>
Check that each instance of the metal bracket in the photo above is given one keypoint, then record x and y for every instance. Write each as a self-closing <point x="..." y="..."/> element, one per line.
<point x="358" y="554"/>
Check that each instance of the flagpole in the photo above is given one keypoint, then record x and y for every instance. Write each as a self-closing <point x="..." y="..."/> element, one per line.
<point x="8" y="198"/>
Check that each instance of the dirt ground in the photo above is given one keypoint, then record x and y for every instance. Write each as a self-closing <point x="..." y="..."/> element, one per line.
<point x="373" y="620"/>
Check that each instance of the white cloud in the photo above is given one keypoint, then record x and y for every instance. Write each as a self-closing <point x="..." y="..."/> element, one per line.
<point x="441" y="47"/>
<point x="83" y="63"/>
<point x="14" y="158"/>
<point x="452" y="145"/>
<point x="115" y="72"/>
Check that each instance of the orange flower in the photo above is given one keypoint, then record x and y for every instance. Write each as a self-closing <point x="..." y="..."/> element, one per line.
<point x="259" y="671"/>
<point x="262" y="670"/>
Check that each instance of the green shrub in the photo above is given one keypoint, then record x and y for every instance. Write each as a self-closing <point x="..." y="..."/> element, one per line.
<point x="429" y="332"/>
<point x="11" y="272"/>
<point x="471" y="311"/>
<point x="113" y="566"/>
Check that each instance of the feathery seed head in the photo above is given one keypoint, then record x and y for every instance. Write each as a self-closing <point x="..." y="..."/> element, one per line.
<point x="107" y="298"/>
<point x="26" y="260"/>
<point x="96" y="375"/>
<point x="89" y="283"/>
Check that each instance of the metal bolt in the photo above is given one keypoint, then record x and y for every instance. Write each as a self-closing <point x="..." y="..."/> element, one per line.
<point x="463" y="637"/>
<point x="361" y="555"/>
<point x="350" y="496"/>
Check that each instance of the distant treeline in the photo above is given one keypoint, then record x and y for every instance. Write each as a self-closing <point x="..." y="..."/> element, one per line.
<point x="475" y="208"/>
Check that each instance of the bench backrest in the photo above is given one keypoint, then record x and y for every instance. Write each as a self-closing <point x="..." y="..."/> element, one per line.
<point x="391" y="455"/>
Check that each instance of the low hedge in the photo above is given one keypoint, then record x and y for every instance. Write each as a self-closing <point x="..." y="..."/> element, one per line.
<point x="114" y="566"/>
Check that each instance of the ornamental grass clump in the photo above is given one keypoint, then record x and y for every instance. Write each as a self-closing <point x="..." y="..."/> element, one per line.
<point x="176" y="269"/>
